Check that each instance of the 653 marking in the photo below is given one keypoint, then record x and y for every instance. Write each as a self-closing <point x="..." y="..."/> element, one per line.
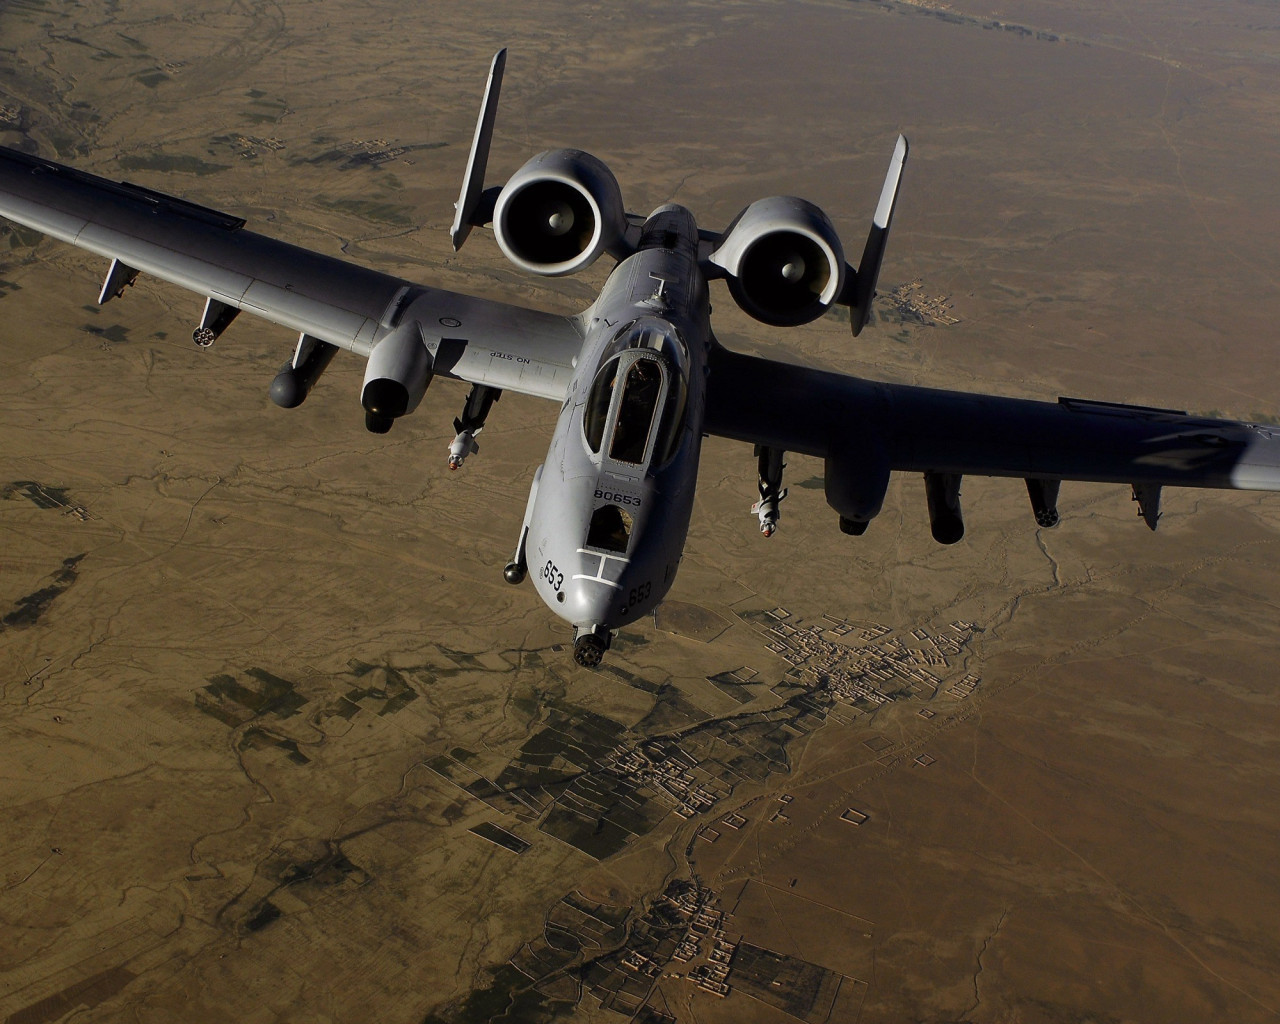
<point x="552" y="575"/>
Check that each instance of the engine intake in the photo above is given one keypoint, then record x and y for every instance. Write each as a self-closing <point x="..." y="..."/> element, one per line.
<point x="784" y="261"/>
<point x="559" y="212"/>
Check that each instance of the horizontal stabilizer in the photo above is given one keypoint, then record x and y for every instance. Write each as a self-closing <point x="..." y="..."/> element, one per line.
<point x="860" y="287"/>
<point x="471" y="210"/>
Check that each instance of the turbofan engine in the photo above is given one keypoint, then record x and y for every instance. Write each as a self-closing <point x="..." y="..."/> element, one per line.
<point x="784" y="262"/>
<point x="559" y="212"/>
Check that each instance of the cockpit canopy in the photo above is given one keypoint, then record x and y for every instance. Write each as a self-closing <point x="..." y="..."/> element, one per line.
<point x="635" y="410"/>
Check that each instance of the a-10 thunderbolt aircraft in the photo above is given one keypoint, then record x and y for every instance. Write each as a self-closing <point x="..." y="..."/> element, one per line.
<point x="639" y="374"/>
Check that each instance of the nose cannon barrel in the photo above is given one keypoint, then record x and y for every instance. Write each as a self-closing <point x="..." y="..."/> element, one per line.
<point x="589" y="645"/>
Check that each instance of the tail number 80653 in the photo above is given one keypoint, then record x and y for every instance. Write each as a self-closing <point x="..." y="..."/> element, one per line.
<point x="618" y="498"/>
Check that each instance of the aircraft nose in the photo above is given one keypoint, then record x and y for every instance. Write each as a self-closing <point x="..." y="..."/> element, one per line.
<point x="587" y="602"/>
<point x="591" y="592"/>
<point x="590" y="605"/>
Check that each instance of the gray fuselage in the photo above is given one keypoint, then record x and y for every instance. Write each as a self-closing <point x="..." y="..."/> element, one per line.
<point x="610" y="508"/>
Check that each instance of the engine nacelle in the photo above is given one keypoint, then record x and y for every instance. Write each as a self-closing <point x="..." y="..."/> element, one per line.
<point x="784" y="261"/>
<point x="559" y="212"/>
<point x="396" y="377"/>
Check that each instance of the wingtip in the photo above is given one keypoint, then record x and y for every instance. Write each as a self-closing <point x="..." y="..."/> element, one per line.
<point x="900" y="151"/>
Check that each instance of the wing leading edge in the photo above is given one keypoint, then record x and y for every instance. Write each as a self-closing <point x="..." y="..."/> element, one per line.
<point x="210" y="253"/>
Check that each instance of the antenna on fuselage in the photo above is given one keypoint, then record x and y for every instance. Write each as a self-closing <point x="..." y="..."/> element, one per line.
<point x="475" y="204"/>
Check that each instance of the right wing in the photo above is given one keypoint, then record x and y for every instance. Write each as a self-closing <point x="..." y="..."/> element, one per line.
<point x="208" y="252"/>
<point x="866" y="429"/>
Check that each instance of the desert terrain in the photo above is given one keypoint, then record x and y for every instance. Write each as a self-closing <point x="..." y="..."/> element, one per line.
<point x="281" y="745"/>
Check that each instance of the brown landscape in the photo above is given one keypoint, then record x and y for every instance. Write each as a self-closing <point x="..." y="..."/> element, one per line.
<point x="281" y="745"/>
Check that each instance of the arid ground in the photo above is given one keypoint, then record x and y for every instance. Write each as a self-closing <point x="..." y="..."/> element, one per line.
<point x="279" y="744"/>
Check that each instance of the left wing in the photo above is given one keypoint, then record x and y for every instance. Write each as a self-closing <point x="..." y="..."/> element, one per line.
<point x="210" y="253"/>
<point x="865" y="429"/>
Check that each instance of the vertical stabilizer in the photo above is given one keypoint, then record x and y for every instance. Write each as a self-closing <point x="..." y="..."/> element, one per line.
<point x="863" y="290"/>
<point x="469" y="202"/>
